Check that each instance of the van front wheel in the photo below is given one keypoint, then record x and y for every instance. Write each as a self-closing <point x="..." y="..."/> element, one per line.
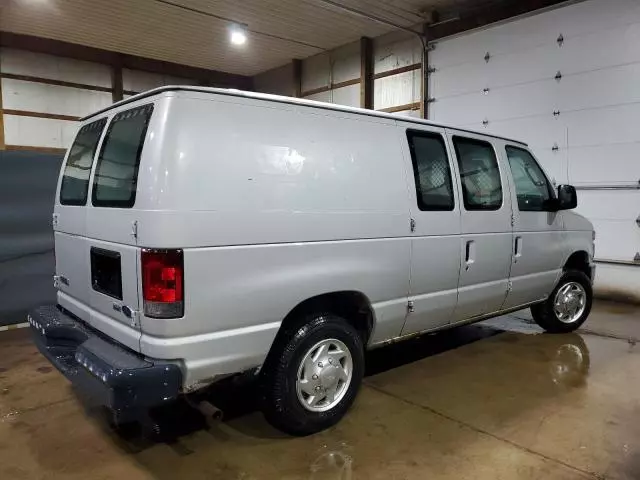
<point x="312" y="375"/>
<point x="568" y="306"/>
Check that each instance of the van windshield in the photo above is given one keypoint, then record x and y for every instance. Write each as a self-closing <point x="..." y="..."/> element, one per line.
<point x="116" y="176"/>
<point x="75" y="181"/>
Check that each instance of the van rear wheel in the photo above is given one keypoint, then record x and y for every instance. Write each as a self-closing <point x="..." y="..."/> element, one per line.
<point x="568" y="306"/>
<point x="312" y="375"/>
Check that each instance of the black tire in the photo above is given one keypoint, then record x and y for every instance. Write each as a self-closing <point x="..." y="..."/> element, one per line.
<point x="544" y="315"/>
<point x="281" y="406"/>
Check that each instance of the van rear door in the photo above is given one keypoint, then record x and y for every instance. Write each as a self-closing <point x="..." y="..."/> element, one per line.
<point x="107" y="255"/>
<point x="72" y="278"/>
<point x="112" y="223"/>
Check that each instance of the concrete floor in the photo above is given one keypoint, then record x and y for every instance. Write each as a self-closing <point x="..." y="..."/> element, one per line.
<point x="496" y="400"/>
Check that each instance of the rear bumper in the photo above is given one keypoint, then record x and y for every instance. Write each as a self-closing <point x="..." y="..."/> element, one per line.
<point x="108" y="373"/>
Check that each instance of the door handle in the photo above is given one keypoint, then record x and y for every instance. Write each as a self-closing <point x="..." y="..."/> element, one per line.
<point x="517" y="249"/>
<point x="470" y="253"/>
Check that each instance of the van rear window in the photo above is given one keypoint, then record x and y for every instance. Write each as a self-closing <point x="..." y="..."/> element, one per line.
<point x="116" y="177"/>
<point x="75" y="180"/>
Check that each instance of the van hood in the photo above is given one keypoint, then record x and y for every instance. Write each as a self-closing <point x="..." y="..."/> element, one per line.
<point x="576" y="222"/>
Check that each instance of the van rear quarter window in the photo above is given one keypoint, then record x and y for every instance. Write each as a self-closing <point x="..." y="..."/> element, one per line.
<point x="479" y="172"/>
<point x="431" y="169"/>
<point x="116" y="176"/>
<point x="75" y="180"/>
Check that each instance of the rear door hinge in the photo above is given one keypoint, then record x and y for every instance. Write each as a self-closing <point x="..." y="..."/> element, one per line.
<point x="509" y="286"/>
<point x="130" y="313"/>
<point x="59" y="280"/>
<point x="513" y="220"/>
<point x="54" y="220"/>
<point x="410" y="307"/>
<point x="412" y="225"/>
<point x="135" y="319"/>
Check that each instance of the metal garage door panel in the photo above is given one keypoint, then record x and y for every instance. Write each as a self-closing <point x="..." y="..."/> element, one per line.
<point x="538" y="98"/>
<point x="542" y="131"/>
<point x="618" y="124"/>
<point x="463" y="110"/>
<point x="604" y="48"/>
<point x="514" y="37"/>
<point x="616" y="240"/>
<point x="540" y="63"/>
<point x="459" y="79"/>
<point x="614" y="86"/>
<point x="613" y="214"/>
<point x="537" y="30"/>
<point x="619" y="205"/>
<point x="609" y="164"/>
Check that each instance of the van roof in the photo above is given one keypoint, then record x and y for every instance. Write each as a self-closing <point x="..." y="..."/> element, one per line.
<point x="289" y="100"/>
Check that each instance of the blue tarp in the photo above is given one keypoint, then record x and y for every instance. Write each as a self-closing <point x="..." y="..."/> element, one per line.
<point x="27" y="189"/>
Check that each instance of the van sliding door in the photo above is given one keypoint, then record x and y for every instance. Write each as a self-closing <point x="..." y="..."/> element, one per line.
<point x="435" y="214"/>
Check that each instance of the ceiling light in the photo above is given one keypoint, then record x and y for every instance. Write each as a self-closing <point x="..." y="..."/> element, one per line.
<point x="238" y="34"/>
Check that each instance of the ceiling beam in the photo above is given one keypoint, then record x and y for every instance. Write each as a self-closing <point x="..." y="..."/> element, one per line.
<point x="122" y="60"/>
<point x="477" y="18"/>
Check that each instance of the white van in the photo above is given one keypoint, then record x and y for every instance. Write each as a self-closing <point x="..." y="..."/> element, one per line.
<point x="202" y="232"/>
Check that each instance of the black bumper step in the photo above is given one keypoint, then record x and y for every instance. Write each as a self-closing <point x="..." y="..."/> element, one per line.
<point x="108" y="373"/>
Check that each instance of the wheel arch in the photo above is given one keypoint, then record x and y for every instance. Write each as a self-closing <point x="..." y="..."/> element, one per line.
<point x="352" y="305"/>
<point x="578" y="260"/>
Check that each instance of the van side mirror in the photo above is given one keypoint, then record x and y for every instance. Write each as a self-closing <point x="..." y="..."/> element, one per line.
<point x="567" y="197"/>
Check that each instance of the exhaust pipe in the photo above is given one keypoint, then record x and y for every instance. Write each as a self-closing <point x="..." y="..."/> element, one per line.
<point x="212" y="414"/>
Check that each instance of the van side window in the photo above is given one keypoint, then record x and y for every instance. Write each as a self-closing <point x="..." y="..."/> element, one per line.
<point x="116" y="177"/>
<point x="481" y="187"/>
<point x="431" y="171"/>
<point x="75" y="180"/>
<point x="532" y="187"/>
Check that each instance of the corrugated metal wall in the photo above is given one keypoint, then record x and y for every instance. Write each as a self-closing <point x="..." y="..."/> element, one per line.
<point x="43" y="95"/>
<point x="278" y="81"/>
<point x="392" y="52"/>
<point x="24" y="101"/>
<point x="324" y="76"/>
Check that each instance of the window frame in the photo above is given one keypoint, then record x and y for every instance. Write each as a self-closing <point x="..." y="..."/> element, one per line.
<point x="477" y="141"/>
<point x="550" y="189"/>
<point x="83" y="201"/>
<point x="130" y="202"/>
<point x="411" y="134"/>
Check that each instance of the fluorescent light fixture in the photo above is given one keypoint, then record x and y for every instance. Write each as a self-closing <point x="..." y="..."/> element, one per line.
<point x="238" y="34"/>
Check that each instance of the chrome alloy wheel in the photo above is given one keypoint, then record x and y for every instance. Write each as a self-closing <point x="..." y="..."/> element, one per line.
<point x="324" y="375"/>
<point x="570" y="302"/>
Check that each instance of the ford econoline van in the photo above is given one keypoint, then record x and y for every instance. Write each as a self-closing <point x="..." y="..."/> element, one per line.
<point x="201" y="233"/>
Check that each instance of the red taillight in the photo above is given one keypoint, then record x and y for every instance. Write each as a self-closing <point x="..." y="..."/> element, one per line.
<point x="163" y="283"/>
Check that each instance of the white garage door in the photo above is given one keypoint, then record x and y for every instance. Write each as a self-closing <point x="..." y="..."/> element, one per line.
<point x="567" y="81"/>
